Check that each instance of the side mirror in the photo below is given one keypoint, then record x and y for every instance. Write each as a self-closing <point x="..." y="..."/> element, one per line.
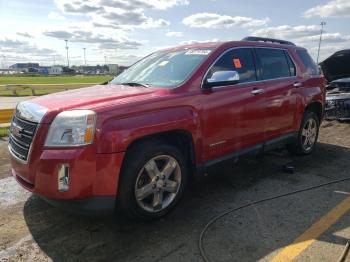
<point x="222" y="78"/>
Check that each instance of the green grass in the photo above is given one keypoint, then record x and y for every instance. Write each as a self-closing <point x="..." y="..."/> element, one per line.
<point x="5" y="80"/>
<point x="4" y="131"/>
<point x="32" y="80"/>
<point x="28" y="92"/>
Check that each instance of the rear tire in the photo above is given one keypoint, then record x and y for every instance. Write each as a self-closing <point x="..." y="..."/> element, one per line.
<point x="306" y="141"/>
<point x="153" y="179"/>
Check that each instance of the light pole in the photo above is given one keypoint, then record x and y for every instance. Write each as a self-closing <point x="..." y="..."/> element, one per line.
<point x="84" y="56"/>
<point x="319" y="43"/>
<point x="67" y="52"/>
<point x="3" y="62"/>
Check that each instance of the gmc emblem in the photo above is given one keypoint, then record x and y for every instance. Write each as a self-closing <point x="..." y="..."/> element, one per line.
<point x="16" y="131"/>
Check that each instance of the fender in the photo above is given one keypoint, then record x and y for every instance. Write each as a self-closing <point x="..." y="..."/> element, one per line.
<point x="313" y="92"/>
<point x="116" y="134"/>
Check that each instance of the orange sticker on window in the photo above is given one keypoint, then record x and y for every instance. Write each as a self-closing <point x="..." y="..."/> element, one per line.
<point x="237" y="63"/>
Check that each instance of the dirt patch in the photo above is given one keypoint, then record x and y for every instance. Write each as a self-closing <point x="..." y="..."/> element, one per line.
<point x="335" y="133"/>
<point x="4" y="159"/>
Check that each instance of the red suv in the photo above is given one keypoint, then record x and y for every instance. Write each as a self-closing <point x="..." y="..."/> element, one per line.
<point x="135" y="142"/>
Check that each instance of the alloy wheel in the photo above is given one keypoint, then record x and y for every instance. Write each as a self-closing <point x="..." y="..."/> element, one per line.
<point x="309" y="134"/>
<point x="158" y="183"/>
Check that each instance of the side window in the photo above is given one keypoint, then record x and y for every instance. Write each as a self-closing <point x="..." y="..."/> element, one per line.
<point x="240" y="60"/>
<point x="273" y="63"/>
<point x="310" y="65"/>
<point x="291" y="65"/>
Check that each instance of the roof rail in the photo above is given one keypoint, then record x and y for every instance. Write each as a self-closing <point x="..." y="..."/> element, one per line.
<point x="264" y="39"/>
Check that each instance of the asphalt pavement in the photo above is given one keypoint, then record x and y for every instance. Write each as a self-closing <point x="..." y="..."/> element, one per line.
<point x="306" y="226"/>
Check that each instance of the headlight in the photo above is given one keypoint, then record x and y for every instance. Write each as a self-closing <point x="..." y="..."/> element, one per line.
<point x="72" y="128"/>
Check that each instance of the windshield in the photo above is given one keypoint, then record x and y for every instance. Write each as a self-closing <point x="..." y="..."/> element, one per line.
<point x="163" y="69"/>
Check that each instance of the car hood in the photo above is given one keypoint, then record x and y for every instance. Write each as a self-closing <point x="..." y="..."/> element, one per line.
<point x="92" y="97"/>
<point x="337" y="66"/>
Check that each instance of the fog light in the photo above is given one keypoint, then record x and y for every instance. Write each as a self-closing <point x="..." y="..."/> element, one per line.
<point x="63" y="177"/>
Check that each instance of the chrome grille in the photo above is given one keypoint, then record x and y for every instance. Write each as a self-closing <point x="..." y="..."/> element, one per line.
<point x="21" y="137"/>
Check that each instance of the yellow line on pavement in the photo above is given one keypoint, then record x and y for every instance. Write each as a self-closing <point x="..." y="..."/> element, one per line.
<point x="310" y="235"/>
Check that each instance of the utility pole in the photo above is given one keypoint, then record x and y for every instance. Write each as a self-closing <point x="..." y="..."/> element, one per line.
<point x="67" y="52"/>
<point x="84" y="56"/>
<point x="3" y="62"/>
<point x="319" y="43"/>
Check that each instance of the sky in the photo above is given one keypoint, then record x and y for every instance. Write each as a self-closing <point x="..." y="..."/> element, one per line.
<point x="123" y="31"/>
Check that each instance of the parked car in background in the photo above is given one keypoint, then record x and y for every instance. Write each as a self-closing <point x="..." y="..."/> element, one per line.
<point x="336" y="69"/>
<point x="137" y="141"/>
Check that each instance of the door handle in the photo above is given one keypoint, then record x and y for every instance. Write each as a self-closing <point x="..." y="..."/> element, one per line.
<point x="256" y="91"/>
<point x="297" y="84"/>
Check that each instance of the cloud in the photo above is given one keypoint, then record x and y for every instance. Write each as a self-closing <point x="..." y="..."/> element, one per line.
<point x="287" y="31"/>
<point x="212" y="20"/>
<point x="114" y="18"/>
<point x="143" y="4"/>
<point x="125" y="59"/>
<point x="125" y="14"/>
<point x="78" y="6"/>
<point x="55" y="16"/>
<point x="91" y="37"/>
<point x="24" y="34"/>
<point x="16" y="50"/>
<point x="190" y="42"/>
<point x="326" y="38"/>
<point x="174" y="34"/>
<point x="308" y="36"/>
<point x="334" y="8"/>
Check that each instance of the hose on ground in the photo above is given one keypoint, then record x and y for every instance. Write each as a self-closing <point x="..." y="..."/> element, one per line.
<point x="231" y="210"/>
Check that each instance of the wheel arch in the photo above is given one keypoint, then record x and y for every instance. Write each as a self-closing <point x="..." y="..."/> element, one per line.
<point x="315" y="107"/>
<point x="180" y="138"/>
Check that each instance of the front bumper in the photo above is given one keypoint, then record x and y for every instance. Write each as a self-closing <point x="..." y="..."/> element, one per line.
<point x="90" y="206"/>
<point x="338" y="107"/>
<point x="93" y="178"/>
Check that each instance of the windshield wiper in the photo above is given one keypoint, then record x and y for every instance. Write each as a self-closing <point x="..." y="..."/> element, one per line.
<point x="134" y="84"/>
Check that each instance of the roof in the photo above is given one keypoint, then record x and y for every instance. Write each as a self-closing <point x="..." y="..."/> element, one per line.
<point x="214" y="45"/>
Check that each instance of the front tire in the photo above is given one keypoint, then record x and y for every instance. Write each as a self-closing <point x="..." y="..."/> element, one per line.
<point x="307" y="135"/>
<point x="152" y="181"/>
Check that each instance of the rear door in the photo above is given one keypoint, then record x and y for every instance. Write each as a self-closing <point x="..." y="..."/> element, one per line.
<point x="233" y="116"/>
<point x="278" y="72"/>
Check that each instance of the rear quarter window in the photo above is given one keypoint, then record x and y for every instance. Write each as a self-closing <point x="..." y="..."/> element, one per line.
<point x="291" y="65"/>
<point x="308" y="62"/>
<point x="274" y="63"/>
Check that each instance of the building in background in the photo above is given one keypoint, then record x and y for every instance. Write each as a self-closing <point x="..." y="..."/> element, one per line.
<point x="55" y="70"/>
<point x="35" y="68"/>
<point x="25" y="67"/>
<point x="113" y="69"/>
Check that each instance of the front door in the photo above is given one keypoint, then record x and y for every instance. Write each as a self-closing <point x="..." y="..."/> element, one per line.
<point x="233" y="116"/>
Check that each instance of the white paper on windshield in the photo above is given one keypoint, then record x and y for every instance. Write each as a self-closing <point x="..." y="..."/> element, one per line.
<point x="163" y="63"/>
<point x="198" y="52"/>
